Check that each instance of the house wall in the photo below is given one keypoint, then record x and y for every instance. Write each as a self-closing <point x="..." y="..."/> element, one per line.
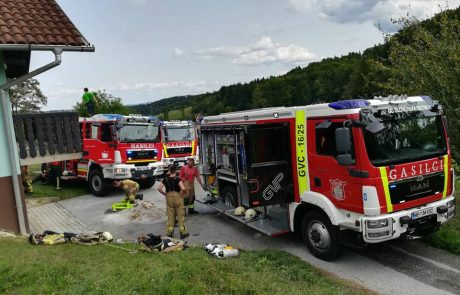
<point x="8" y="211"/>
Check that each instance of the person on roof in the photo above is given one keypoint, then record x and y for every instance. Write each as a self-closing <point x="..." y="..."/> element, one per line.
<point x="89" y="100"/>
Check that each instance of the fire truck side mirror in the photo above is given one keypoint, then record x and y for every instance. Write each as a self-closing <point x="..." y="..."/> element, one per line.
<point x="343" y="146"/>
<point x="343" y="140"/>
<point x="113" y="131"/>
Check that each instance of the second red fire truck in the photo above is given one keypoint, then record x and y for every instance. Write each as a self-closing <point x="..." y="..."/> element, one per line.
<point x="180" y="143"/>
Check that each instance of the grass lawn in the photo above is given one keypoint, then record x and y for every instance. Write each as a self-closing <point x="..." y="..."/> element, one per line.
<point x="69" y="189"/>
<point x="101" y="269"/>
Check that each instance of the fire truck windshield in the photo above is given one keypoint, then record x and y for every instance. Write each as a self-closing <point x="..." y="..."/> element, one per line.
<point x="179" y="133"/>
<point x="138" y="133"/>
<point x="407" y="137"/>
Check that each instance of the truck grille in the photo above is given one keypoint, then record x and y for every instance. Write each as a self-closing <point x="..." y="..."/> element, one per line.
<point x="179" y="150"/>
<point x="416" y="188"/>
<point x="135" y="155"/>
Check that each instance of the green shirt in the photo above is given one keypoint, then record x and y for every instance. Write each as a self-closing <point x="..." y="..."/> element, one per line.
<point x="87" y="97"/>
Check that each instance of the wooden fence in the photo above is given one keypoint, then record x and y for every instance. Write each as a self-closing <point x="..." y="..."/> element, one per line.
<point x="47" y="137"/>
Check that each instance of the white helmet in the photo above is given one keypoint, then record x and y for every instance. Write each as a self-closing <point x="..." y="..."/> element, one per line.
<point x="250" y="214"/>
<point x="107" y="236"/>
<point x="240" y="211"/>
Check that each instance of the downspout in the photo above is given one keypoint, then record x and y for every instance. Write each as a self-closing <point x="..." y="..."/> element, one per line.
<point x="14" y="159"/>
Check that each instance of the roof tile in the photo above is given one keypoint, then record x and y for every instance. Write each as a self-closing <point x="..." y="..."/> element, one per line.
<point x="37" y="22"/>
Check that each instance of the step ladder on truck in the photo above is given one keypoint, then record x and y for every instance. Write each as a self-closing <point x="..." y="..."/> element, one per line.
<point x="347" y="172"/>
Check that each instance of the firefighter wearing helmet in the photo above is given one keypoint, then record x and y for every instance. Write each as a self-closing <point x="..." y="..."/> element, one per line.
<point x="129" y="186"/>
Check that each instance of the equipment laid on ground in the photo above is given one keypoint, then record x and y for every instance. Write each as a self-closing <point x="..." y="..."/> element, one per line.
<point x="126" y="203"/>
<point x="347" y="172"/>
<point x="154" y="243"/>
<point x="54" y="238"/>
<point x="221" y="250"/>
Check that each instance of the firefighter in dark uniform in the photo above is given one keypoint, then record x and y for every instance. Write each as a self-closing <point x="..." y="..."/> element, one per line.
<point x="174" y="202"/>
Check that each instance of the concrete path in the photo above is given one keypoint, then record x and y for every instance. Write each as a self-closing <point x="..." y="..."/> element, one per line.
<point x="395" y="268"/>
<point x="54" y="217"/>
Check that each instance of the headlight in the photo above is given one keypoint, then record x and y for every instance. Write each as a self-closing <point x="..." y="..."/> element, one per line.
<point x="377" y="223"/>
<point x="119" y="170"/>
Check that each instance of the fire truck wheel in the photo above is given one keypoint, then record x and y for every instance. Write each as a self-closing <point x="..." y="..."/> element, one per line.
<point x="97" y="184"/>
<point x="229" y="196"/>
<point x="147" y="183"/>
<point x="321" y="236"/>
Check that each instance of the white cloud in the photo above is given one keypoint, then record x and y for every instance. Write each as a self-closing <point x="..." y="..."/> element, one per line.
<point x="193" y="85"/>
<point x="375" y="11"/>
<point x="264" y="51"/>
<point x="178" y="52"/>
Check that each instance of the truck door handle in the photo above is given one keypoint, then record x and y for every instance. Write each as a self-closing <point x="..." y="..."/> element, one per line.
<point x="253" y="185"/>
<point x="317" y="181"/>
<point x="358" y="173"/>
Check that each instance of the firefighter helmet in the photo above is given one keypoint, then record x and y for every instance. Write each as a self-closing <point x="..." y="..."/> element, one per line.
<point x="107" y="236"/>
<point x="240" y="211"/>
<point x="250" y="214"/>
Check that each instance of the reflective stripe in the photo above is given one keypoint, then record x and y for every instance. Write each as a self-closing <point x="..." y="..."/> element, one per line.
<point x="383" y="175"/>
<point x="193" y="147"/>
<point x="139" y="161"/>
<point x="166" y="150"/>
<point x="446" y="175"/>
<point x="301" y="151"/>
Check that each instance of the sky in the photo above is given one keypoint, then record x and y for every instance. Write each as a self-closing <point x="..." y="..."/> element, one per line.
<point x="150" y="49"/>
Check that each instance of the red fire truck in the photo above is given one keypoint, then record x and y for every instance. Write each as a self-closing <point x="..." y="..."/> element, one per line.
<point x="348" y="172"/>
<point x="179" y="141"/>
<point x="117" y="147"/>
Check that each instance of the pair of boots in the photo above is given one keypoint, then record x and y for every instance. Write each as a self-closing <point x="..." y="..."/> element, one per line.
<point x="182" y="236"/>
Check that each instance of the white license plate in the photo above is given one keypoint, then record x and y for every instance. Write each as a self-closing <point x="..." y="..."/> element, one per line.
<point x="141" y="168"/>
<point x="180" y="164"/>
<point x="422" y="213"/>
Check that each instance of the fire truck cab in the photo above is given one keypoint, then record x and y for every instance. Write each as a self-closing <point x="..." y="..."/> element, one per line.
<point x="118" y="147"/>
<point x="179" y="140"/>
<point x="347" y="172"/>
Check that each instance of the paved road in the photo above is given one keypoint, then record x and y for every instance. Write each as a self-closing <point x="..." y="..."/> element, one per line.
<point x="395" y="268"/>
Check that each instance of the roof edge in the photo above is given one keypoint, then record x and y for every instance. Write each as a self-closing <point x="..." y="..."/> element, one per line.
<point x="35" y="47"/>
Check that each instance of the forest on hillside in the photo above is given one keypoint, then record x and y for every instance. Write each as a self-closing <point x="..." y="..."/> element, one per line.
<point x="423" y="58"/>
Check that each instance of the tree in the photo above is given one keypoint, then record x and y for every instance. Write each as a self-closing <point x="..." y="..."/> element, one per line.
<point x="27" y="97"/>
<point x="107" y="104"/>
<point x="424" y="59"/>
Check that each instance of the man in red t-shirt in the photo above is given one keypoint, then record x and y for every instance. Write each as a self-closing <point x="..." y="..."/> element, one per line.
<point x="188" y="173"/>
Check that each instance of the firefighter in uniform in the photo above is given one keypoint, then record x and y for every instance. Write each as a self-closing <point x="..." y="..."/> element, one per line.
<point x="131" y="188"/>
<point x="188" y="173"/>
<point x="174" y="202"/>
<point x="26" y="180"/>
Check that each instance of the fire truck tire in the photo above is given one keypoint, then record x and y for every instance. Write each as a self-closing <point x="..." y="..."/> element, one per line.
<point x="147" y="183"/>
<point x="97" y="185"/>
<point x="229" y="196"/>
<point x="321" y="236"/>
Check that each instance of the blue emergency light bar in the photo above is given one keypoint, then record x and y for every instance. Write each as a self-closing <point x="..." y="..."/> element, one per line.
<point x="349" y="104"/>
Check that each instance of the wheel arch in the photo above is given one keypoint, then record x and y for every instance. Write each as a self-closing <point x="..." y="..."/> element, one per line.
<point x="315" y="201"/>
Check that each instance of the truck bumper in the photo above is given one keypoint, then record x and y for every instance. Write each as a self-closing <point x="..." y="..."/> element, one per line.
<point x="179" y="161"/>
<point x="124" y="171"/>
<point x="410" y="224"/>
